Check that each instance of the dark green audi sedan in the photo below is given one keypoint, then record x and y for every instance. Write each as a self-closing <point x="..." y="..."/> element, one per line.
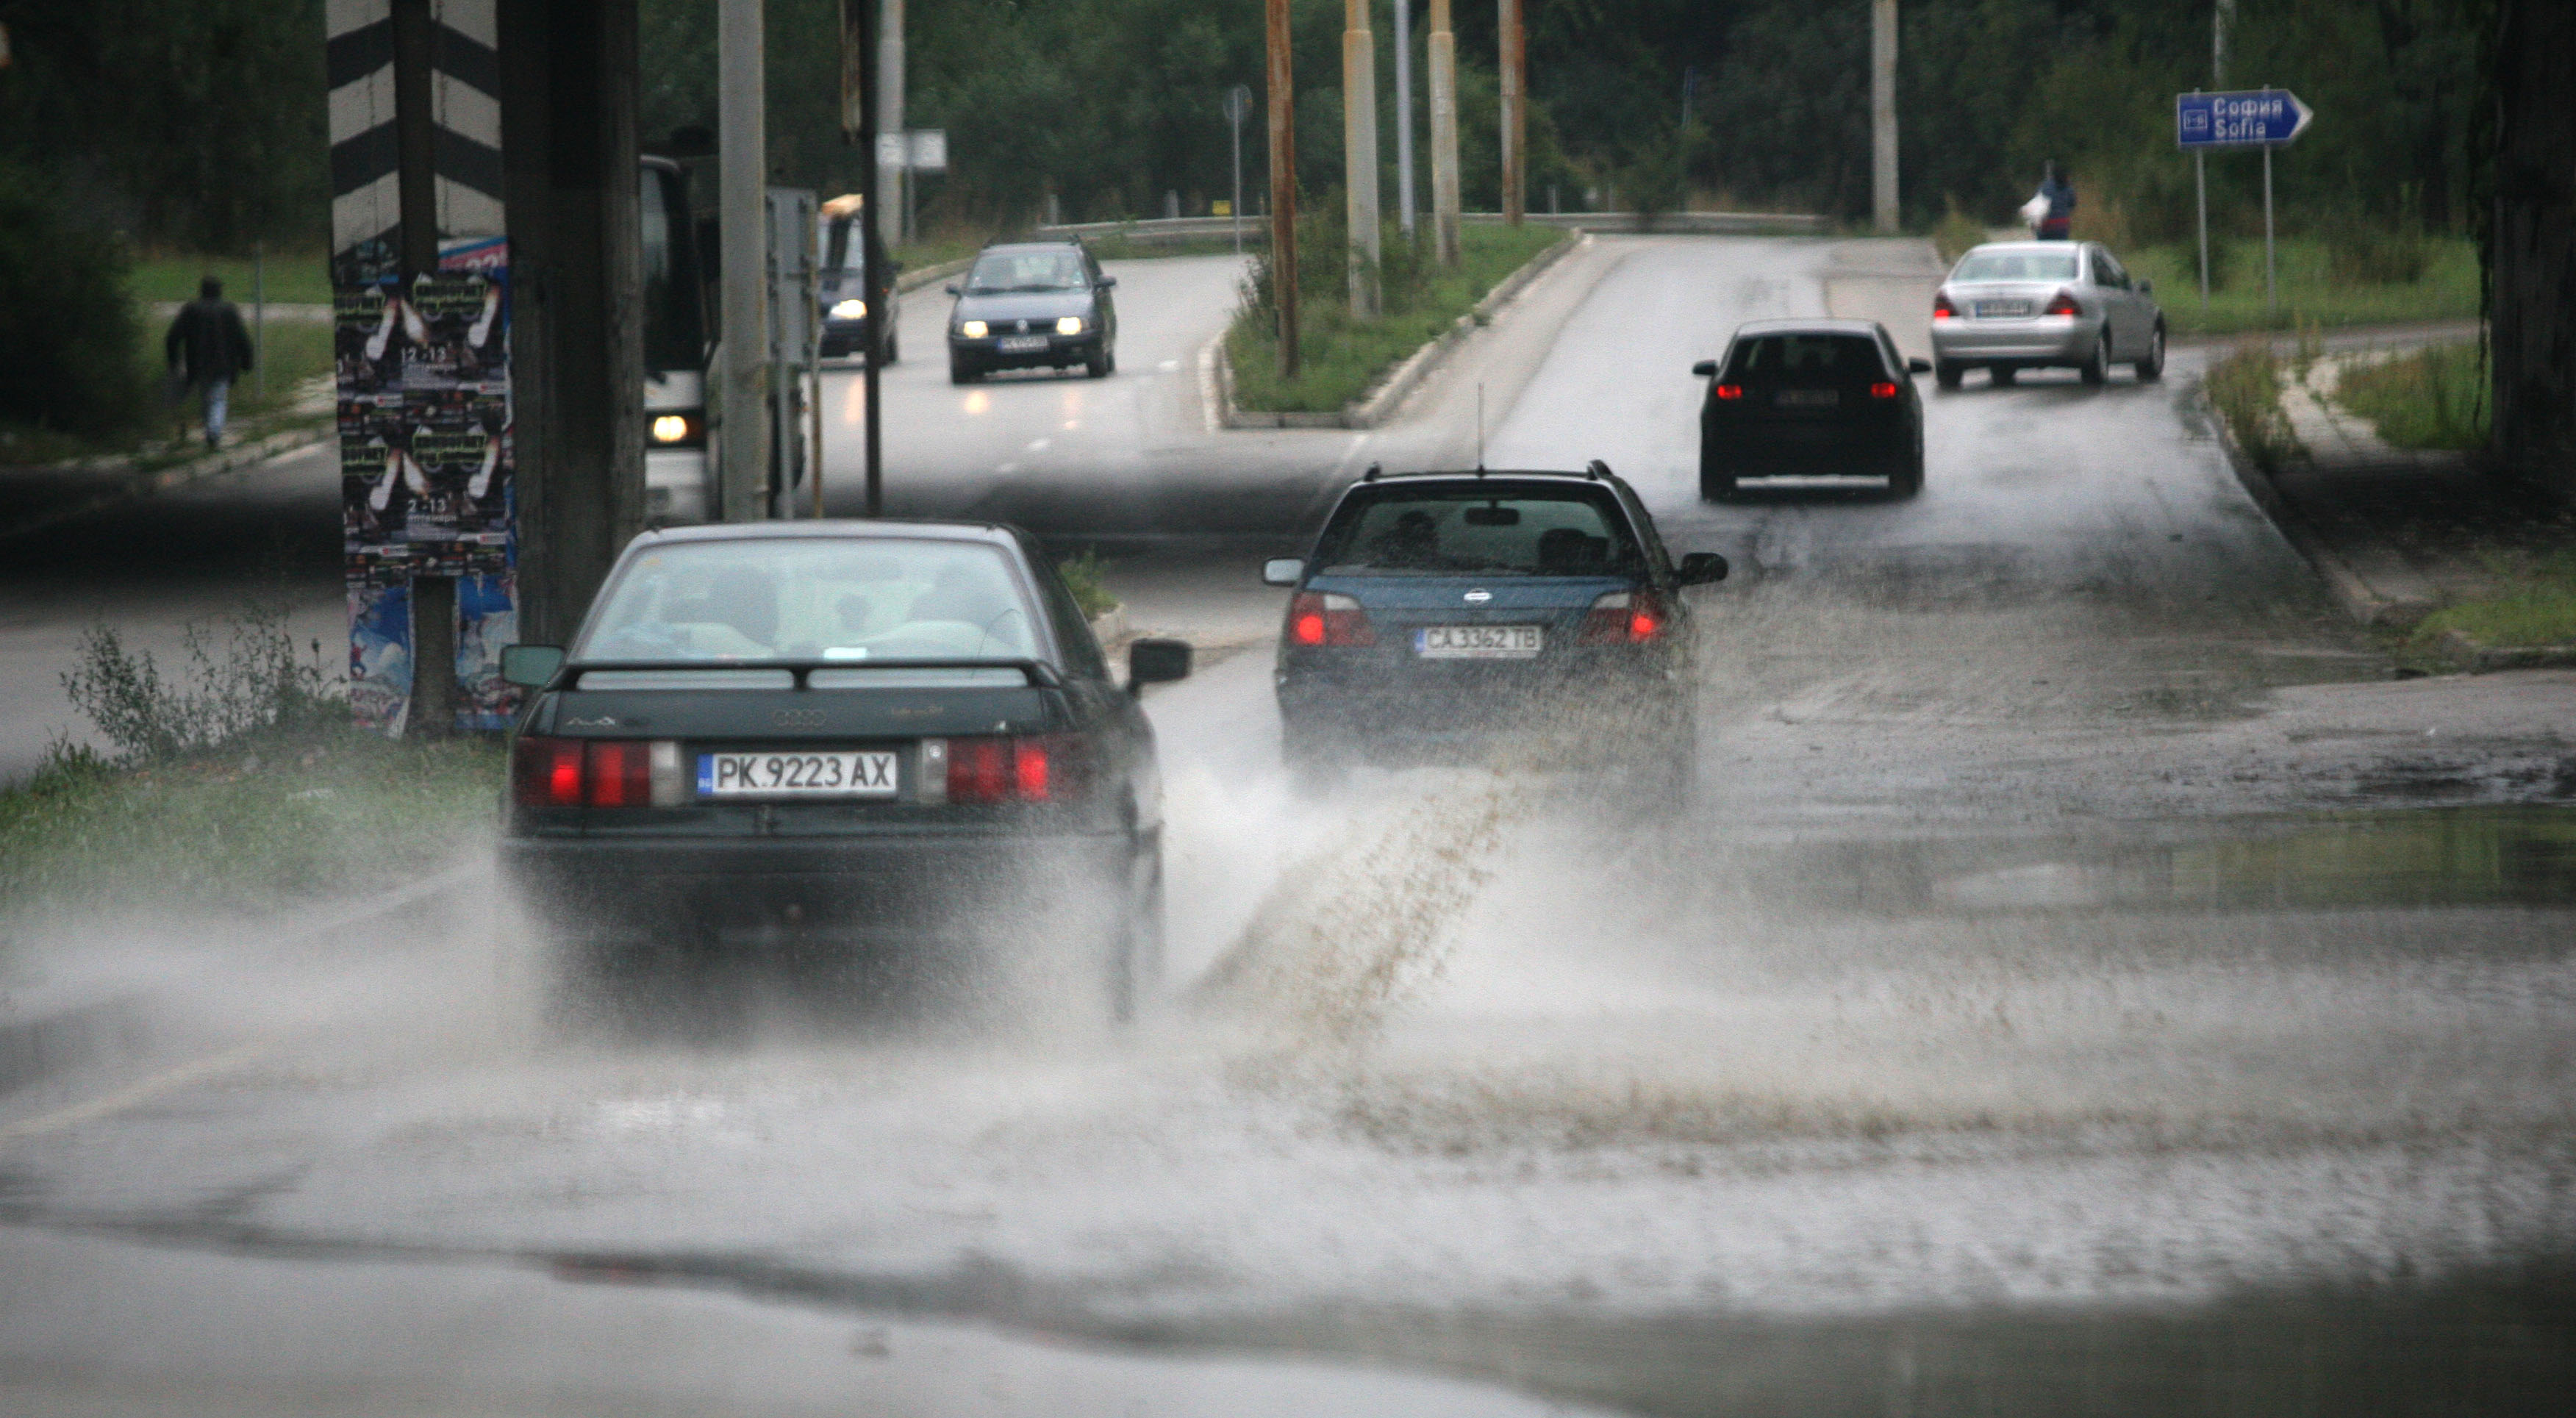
<point x="879" y="736"/>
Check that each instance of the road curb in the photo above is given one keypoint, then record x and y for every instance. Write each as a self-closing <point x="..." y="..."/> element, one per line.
<point x="139" y="483"/>
<point x="2352" y="593"/>
<point x="2481" y="659"/>
<point x="1378" y="403"/>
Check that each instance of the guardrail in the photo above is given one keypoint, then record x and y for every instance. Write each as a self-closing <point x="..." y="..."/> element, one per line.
<point x="1175" y="230"/>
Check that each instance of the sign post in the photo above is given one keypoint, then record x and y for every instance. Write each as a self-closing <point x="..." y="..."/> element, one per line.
<point x="1238" y="103"/>
<point x="2251" y="118"/>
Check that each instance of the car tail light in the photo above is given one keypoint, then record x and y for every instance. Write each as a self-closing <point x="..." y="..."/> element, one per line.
<point x="1623" y="618"/>
<point x="2063" y="305"/>
<point x="1325" y="618"/>
<point x="1023" y="769"/>
<point x="1942" y="309"/>
<point x="1728" y="391"/>
<point x="1882" y="390"/>
<point x="546" y="772"/>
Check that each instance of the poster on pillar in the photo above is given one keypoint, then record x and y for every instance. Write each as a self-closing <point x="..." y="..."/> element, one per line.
<point x="427" y="476"/>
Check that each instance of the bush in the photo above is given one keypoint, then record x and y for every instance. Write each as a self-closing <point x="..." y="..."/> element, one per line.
<point x="258" y="685"/>
<point x="1956" y="232"/>
<point x="68" y="336"/>
<point x="1082" y="577"/>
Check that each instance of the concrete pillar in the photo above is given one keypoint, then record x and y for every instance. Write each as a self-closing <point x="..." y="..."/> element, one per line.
<point x="1514" y="67"/>
<point x="569" y="174"/>
<point x="1443" y="57"/>
<point x="1882" y="114"/>
<point x="893" y="179"/>
<point x="1359" y="153"/>
<point x="742" y="222"/>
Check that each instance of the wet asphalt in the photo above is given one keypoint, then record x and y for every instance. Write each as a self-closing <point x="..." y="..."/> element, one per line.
<point x="2085" y="981"/>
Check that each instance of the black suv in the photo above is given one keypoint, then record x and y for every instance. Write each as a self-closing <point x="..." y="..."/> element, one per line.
<point x="875" y="735"/>
<point x="1030" y="304"/>
<point x="1449" y="611"/>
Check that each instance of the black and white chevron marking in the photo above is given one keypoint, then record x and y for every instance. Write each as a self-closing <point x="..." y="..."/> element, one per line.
<point x="465" y="101"/>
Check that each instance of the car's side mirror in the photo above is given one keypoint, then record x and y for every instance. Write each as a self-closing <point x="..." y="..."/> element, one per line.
<point x="2146" y="288"/>
<point x="1702" y="567"/>
<point x="1156" y="662"/>
<point x="953" y="290"/>
<point x="531" y="666"/>
<point x="1283" y="571"/>
<point x="1108" y="282"/>
<point x="1705" y="369"/>
<point x="1918" y="366"/>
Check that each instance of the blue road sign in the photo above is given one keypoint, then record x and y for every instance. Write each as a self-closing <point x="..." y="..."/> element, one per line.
<point x="2255" y="118"/>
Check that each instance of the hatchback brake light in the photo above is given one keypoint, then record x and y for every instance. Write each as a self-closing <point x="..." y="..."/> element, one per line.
<point x="1729" y="391"/>
<point x="1328" y="618"/>
<point x="1882" y="390"/>
<point x="2063" y="305"/>
<point x="1942" y="309"/>
<point x="1623" y="618"/>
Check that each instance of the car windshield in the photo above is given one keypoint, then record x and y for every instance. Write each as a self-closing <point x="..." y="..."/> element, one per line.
<point x="1000" y="271"/>
<point x="1821" y="358"/>
<point x="814" y="599"/>
<point x="1472" y="530"/>
<point x="2016" y="266"/>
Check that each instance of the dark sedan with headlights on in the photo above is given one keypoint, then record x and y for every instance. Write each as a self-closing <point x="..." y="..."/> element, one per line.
<point x="1810" y="399"/>
<point x="873" y="737"/>
<point x="1527" y="618"/>
<point x="1033" y="305"/>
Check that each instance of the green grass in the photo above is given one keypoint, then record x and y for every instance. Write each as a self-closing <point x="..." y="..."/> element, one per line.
<point x="302" y="277"/>
<point x="2538" y="607"/>
<point x="2310" y="293"/>
<point x="2245" y="386"/>
<point x="1342" y="356"/>
<point x="2433" y="399"/>
<point x="293" y="351"/>
<point x="270" y="823"/>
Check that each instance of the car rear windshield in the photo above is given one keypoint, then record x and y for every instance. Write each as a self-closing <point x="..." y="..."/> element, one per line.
<point x="1542" y="532"/>
<point x="2016" y="266"/>
<point x="814" y="599"/>
<point x="999" y="271"/>
<point x="1832" y="359"/>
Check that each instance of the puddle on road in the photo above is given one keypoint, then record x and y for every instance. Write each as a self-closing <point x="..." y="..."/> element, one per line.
<point x="2419" y="858"/>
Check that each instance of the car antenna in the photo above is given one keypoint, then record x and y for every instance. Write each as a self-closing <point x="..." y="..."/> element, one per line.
<point x="1596" y="470"/>
<point x="1373" y="470"/>
<point x="1480" y="428"/>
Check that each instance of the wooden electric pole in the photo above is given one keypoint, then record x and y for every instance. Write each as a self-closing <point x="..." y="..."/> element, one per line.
<point x="1514" y="44"/>
<point x="1283" y="188"/>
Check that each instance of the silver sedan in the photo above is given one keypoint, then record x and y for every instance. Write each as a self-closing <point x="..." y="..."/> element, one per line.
<point x="2015" y="305"/>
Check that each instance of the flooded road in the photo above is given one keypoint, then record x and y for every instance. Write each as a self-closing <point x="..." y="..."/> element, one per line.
<point x="2084" y="981"/>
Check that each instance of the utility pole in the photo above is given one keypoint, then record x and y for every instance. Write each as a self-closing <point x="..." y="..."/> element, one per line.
<point x="1359" y="153"/>
<point x="894" y="179"/>
<point x="1882" y="114"/>
<point x="1443" y="54"/>
<point x="1283" y="186"/>
<point x="742" y="222"/>
<point x="859" y="128"/>
<point x="1404" y="115"/>
<point x="1238" y="106"/>
<point x="2222" y="18"/>
<point x="433" y="597"/>
<point x="1514" y="44"/>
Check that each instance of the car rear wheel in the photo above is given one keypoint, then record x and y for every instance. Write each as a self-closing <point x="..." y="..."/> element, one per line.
<point x="1907" y="478"/>
<point x="1948" y="372"/>
<point x="1315" y="766"/>
<point x="1716" y="484"/>
<point x="1136" y="958"/>
<point x="2097" y="365"/>
<point x="2152" y="368"/>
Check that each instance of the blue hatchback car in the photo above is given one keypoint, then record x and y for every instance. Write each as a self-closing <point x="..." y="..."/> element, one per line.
<point x="1530" y="616"/>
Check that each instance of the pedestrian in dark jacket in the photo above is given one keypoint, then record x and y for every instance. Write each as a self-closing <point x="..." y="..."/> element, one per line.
<point x="208" y="347"/>
<point x="2059" y="222"/>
